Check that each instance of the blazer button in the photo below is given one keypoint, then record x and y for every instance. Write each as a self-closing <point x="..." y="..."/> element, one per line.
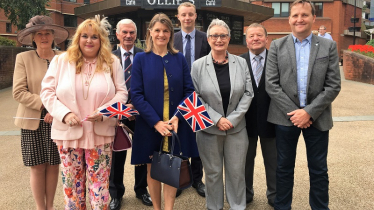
<point x="172" y="89"/>
<point x="166" y="61"/>
<point x="171" y="103"/>
<point x="170" y="75"/>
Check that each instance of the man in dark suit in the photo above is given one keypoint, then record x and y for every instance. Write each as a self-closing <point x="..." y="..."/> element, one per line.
<point x="302" y="80"/>
<point x="194" y="45"/>
<point x="257" y="114"/>
<point x="126" y="34"/>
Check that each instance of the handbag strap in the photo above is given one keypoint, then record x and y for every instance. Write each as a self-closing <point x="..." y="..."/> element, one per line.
<point x="174" y="137"/>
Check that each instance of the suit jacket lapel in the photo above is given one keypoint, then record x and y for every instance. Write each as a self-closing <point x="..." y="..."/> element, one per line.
<point x="312" y="57"/>
<point x="212" y="73"/>
<point x="262" y="79"/>
<point x="72" y="75"/>
<point x="248" y="59"/>
<point x="291" y="52"/>
<point x="179" y="41"/>
<point x="232" y="70"/>
<point x="118" y="54"/>
<point x="198" y="41"/>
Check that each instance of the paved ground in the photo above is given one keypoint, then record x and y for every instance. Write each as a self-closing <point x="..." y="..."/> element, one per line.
<point x="351" y="161"/>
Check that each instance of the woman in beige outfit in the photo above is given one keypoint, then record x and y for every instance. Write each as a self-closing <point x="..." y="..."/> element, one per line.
<point x="38" y="150"/>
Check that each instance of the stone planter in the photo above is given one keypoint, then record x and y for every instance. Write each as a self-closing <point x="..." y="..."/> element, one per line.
<point x="358" y="67"/>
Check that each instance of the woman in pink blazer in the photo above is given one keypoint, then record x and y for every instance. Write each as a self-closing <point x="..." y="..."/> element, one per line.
<point x="85" y="79"/>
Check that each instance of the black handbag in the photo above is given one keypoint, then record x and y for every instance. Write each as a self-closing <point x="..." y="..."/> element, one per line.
<point x="173" y="170"/>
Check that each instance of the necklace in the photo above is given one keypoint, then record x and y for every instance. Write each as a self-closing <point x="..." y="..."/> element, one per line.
<point x="87" y="78"/>
<point x="88" y="83"/>
<point x="223" y="62"/>
<point x="46" y="59"/>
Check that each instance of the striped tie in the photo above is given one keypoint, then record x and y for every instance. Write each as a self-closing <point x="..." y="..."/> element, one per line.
<point x="258" y="69"/>
<point x="127" y="68"/>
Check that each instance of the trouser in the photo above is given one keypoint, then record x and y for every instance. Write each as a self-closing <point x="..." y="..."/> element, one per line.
<point x="116" y="186"/>
<point x="230" y="151"/>
<point x="316" y="143"/>
<point x="269" y="154"/>
<point x="81" y="167"/>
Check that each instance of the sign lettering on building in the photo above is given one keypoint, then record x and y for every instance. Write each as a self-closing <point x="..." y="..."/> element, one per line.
<point x="169" y="4"/>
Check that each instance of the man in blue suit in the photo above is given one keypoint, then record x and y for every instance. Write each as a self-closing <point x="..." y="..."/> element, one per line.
<point x="126" y="34"/>
<point x="302" y="80"/>
<point x="194" y="45"/>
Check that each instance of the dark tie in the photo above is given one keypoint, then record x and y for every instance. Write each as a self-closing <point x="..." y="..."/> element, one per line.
<point x="258" y="69"/>
<point x="127" y="68"/>
<point x="188" y="51"/>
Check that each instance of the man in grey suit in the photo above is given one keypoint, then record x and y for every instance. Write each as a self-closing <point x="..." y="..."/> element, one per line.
<point x="194" y="45"/>
<point x="257" y="114"/>
<point x="302" y="80"/>
<point x="126" y="34"/>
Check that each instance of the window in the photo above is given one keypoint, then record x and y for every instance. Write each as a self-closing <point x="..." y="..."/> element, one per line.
<point x="70" y="21"/>
<point x="281" y="9"/>
<point x="8" y="28"/>
<point x="86" y="2"/>
<point x="71" y="0"/>
<point x="319" y="8"/>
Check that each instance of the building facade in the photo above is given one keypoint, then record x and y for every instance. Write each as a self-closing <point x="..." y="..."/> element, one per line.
<point x="336" y="15"/>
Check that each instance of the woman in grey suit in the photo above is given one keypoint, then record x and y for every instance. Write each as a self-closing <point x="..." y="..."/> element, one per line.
<point x="223" y="84"/>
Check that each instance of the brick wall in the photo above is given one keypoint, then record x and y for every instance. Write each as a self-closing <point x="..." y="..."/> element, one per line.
<point x="7" y="61"/>
<point x="358" y="67"/>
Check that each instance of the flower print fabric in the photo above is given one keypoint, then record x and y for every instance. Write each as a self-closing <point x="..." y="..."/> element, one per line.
<point x="79" y="165"/>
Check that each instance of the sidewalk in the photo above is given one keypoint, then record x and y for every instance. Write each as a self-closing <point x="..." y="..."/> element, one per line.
<point x="350" y="161"/>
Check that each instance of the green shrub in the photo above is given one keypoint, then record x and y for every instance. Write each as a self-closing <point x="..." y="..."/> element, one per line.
<point x="371" y="42"/>
<point x="139" y="44"/>
<point x="7" y="42"/>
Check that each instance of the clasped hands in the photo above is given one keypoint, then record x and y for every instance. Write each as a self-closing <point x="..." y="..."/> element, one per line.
<point x="300" y="118"/>
<point x="72" y="119"/>
<point x="224" y="124"/>
<point x="164" y="127"/>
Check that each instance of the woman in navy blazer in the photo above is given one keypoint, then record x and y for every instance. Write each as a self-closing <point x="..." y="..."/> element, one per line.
<point x="160" y="76"/>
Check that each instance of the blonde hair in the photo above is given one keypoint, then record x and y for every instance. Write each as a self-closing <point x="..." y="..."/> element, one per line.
<point x="164" y="19"/>
<point x="186" y="4"/>
<point x="101" y="27"/>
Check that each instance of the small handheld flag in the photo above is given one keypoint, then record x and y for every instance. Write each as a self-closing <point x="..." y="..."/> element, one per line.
<point x="195" y="113"/>
<point x="118" y="110"/>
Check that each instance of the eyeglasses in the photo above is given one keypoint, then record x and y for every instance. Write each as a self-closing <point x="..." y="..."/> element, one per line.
<point x="222" y="36"/>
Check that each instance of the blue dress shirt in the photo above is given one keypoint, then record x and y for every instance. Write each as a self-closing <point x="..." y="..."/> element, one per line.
<point x="193" y="35"/>
<point x="302" y="50"/>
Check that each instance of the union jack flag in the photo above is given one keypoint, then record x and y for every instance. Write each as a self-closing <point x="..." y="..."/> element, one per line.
<point x="118" y="110"/>
<point x="195" y="113"/>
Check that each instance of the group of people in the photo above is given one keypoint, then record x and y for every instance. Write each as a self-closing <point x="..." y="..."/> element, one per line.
<point x="271" y="95"/>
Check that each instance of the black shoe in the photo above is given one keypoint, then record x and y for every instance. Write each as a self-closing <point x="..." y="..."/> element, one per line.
<point x="200" y="188"/>
<point x="115" y="203"/>
<point x="179" y="192"/>
<point x="146" y="199"/>
<point x="249" y="200"/>
<point x="271" y="202"/>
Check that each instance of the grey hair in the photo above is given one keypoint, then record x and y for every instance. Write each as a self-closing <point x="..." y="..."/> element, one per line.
<point x="125" y="21"/>
<point x="322" y="26"/>
<point x="217" y="22"/>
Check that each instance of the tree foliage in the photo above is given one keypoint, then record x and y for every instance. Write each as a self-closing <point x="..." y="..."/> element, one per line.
<point x="19" y="12"/>
<point x="7" y="42"/>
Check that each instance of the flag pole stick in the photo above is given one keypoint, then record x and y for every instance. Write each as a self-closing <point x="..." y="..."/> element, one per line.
<point x="28" y="118"/>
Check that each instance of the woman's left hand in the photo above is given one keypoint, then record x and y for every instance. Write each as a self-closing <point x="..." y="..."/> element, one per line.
<point x="95" y="117"/>
<point x="224" y="124"/>
<point x="48" y="118"/>
<point x="174" y="123"/>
